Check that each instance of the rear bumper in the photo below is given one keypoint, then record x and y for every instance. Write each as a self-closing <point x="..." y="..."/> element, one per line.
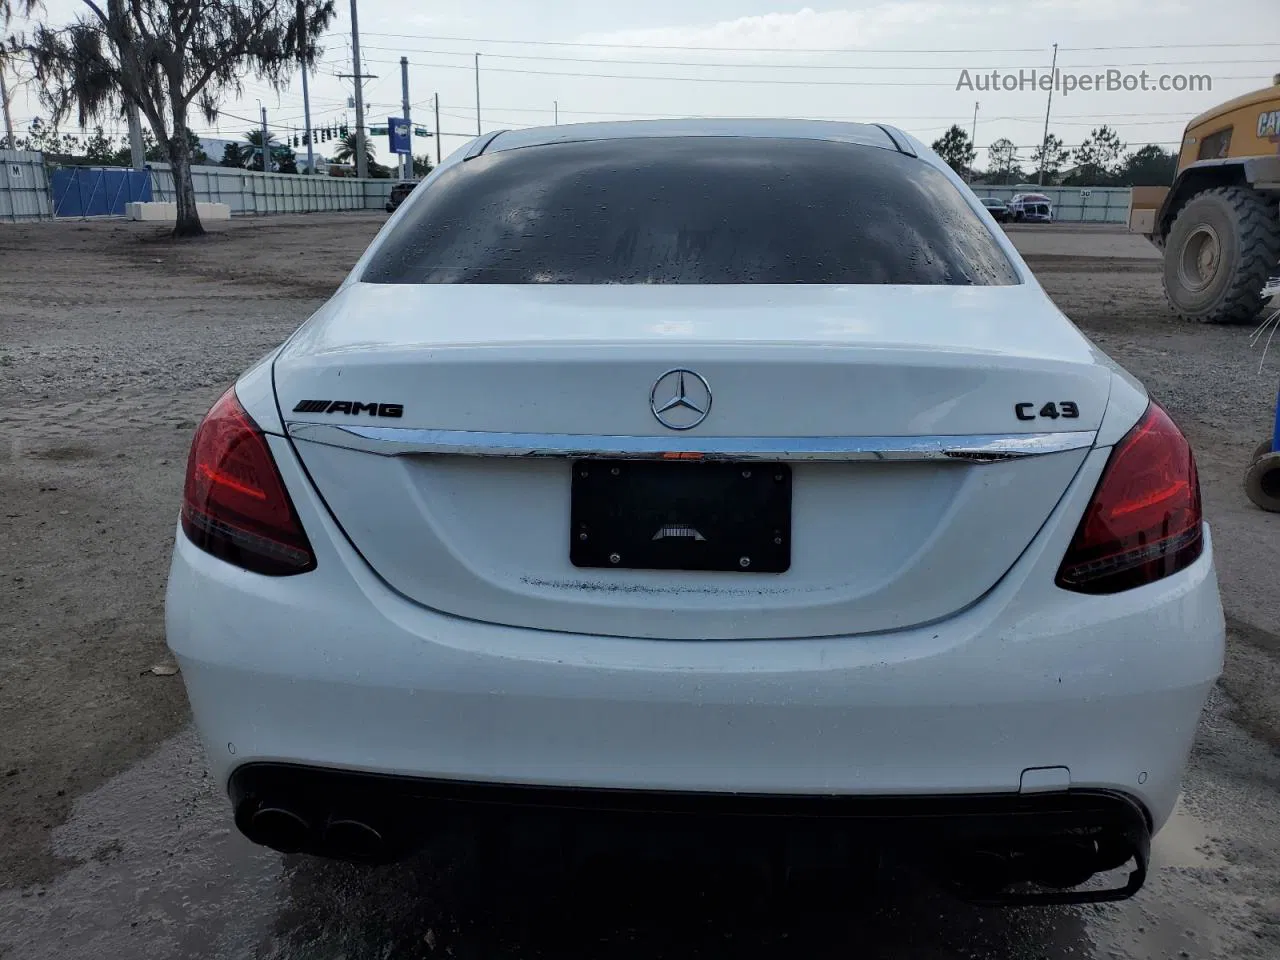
<point x="1031" y="690"/>
<point x="329" y="679"/>
<point x="979" y="844"/>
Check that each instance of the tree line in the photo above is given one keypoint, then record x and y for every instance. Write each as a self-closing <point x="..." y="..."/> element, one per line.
<point x="1101" y="160"/>
<point x="99" y="149"/>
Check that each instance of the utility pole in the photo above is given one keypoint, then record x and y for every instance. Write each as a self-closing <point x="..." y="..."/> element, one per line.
<point x="306" y="94"/>
<point x="1044" y="144"/>
<point x="266" y="154"/>
<point x="477" y="92"/>
<point x="137" y="149"/>
<point x="306" y="121"/>
<point x="556" y="111"/>
<point x="973" y="138"/>
<point x="437" y="129"/>
<point x="406" y="160"/>
<point x="9" y="141"/>
<point x="362" y="159"/>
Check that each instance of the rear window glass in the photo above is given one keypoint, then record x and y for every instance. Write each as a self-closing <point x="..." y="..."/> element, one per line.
<point x="694" y="210"/>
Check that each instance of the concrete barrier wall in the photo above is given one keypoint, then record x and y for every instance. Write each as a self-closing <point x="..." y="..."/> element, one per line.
<point x="250" y="192"/>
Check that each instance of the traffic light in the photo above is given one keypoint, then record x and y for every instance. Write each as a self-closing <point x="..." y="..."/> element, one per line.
<point x="342" y="131"/>
<point x="295" y="140"/>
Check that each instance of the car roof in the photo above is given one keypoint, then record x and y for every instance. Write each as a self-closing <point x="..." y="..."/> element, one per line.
<point x="866" y="134"/>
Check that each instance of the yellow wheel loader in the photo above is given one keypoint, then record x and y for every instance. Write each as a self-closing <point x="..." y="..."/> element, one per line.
<point x="1219" y="223"/>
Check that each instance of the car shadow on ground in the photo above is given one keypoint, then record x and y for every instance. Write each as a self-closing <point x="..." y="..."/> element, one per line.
<point x="469" y="907"/>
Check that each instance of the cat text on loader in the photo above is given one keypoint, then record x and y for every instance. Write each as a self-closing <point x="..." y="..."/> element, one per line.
<point x="1219" y="223"/>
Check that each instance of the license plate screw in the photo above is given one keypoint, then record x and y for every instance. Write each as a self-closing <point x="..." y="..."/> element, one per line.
<point x="582" y="473"/>
<point x="778" y="477"/>
<point x="744" y="562"/>
<point x="583" y="536"/>
<point x="615" y="558"/>
<point x="777" y="540"/>
<point x="615" y="471"/>
<point x="746" y="474"/>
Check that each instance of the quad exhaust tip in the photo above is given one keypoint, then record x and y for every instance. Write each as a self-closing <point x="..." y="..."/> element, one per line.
<point x="289" y="831"/>
<point x="278" y="828"/>
<point x="352" y="840"/>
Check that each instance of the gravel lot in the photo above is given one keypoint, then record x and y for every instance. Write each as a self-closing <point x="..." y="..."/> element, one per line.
<point x="114" y="341"/>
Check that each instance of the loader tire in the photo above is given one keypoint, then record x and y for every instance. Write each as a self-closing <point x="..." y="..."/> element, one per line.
<point x="1222" y="248"/>
<point x="1262" y="482"/>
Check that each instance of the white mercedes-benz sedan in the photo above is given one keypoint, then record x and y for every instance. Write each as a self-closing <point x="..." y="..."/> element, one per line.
<point x="731" y="473"/>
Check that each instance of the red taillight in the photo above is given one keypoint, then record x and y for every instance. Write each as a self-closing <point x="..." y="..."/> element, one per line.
<point x="235" y="505"/>
<point x="1144" y="521"/>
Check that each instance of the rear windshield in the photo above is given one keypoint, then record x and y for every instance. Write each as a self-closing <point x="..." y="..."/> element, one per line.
<point x="694" y="210"/>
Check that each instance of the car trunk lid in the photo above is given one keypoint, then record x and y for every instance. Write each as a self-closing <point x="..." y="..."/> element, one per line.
<point x="898" y="413"/>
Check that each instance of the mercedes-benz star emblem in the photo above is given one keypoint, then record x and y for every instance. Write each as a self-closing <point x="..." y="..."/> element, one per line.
<point x="680" y="399"/>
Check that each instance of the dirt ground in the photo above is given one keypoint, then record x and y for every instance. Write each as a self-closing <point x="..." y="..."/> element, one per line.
<point x="113" y="343"/>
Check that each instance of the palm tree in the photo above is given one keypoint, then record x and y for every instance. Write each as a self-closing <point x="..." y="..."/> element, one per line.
<point x="345" y="151"/>
<point x="253" y="157"/>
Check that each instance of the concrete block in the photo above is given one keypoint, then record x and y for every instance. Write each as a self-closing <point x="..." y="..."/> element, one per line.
<point x="168" y="212"/>
<point x="151" y="211"/>
<point x="213" y="211"/>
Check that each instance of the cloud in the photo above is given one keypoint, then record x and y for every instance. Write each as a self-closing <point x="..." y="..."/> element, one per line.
<point x="806" y="28"/>
<point x="882" y="24"/>
<point x="1094" y="10"/>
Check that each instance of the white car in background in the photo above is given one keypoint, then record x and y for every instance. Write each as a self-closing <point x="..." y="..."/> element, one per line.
<point x="1031" y="208"/>
<point x="734" y="473"/>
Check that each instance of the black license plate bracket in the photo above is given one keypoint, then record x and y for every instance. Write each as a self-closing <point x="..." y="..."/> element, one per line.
<point x="681" y="515"/>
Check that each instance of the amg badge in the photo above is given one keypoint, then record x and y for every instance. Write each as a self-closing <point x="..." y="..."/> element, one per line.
<point x="350" y="407"/>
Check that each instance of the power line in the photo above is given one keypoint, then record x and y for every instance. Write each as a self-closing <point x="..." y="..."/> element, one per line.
<point x="224" y="113"/>
<point x="654" y="46"/>
<point x="639" y="76"/>
<point x="858" y="117"/>
<point x="1096" y="122"/>
<point x="1176" y="46"/>
<point x="811" y="66"/>
<point x="753" y="80"/>
<point x="844" y="50"/>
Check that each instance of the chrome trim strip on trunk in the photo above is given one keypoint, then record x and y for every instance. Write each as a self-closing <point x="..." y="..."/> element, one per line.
<point x="404" y="441"/>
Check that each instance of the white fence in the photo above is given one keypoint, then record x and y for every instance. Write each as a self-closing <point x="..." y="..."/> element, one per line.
<point x="24" y="187"/>
<point x="24" y="192"/>
<point x="253" y="192"/>
<point x="1078" y="204"/>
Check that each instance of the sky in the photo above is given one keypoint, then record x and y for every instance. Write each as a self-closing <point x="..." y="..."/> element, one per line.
<point x="896" y="62"/>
